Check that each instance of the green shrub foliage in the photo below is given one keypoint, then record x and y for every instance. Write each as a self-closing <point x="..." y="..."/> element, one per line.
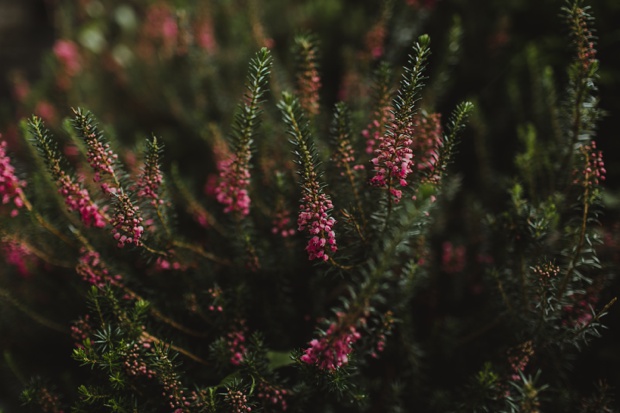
<point x="267" y="249"/>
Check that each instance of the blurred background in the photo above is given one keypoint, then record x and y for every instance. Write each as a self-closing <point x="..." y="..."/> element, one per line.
<point x="491" y="48"/>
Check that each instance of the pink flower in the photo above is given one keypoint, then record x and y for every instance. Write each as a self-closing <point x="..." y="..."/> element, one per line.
<point x="332" y="350"/>
<point x="69" y="56"/>
<point x="237" y="401"/>
<point x="594" y="172"/>
<point x="78" y="199"/>
<point x="236" y="343"/>
<point x="17" y="254"/>
<point x="161" y="26"/>
<point x="308" y="79"/>
<point x="46" y="111"/>
<point x="282" y="224"/>
<point x="375" y="39"/>
<point x="93" y="270"/>
<point x="427" y="143"/>
<point x="234" y="180"/>
<point x="127" y="222"/>
<point x="150" y="181"/>
<point x="11" y="188"/>
<point x="102" y="159"/>
<point x="393" y="161"/>
<point x="314" y="219"/>
<point x="452" y="259"/>
<point x="205" y="36"/>
<point x="272" y="395"/>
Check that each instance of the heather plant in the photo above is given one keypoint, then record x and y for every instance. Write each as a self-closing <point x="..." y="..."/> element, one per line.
<point x="311" y="264"/>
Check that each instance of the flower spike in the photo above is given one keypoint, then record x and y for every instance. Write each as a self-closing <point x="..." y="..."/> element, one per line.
<point x="394" y="156"/>
<point x="76" y="197"/>
<point x="11" y="188"/>
<point x="314" y="215"/>
<point x="232" y="190"/>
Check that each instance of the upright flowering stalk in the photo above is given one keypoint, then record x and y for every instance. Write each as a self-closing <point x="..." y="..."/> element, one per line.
<point x="375" y="38"/>
<point x="307" y="79"/>
<point x="148" y="187"/>
<point x="76" y="197"/>
<point x="581" y="104"/>
<point x="344" y="155"/>
<point x="11" y="188"/>
<point x="314" y="215"/>
<point x="160" y="31"/>
<point x="151" y="178"/>
<point x="127" y="222"/>
<point x="427" y="144"/>
<point x="579" y="21"/>
<point x="234" y="172"/>
<point x="382" y="113"/>
<point x="593" y="173"/>
<point x="394" y="156"/>
<point x="204" y="31"/>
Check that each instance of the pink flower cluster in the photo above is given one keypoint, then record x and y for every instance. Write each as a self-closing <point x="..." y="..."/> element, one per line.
<point x="332" y="350"/>
<point x="127" y="222"/>
<point x="81" y="329"/>
<point x="205" y="36"/>
<point x="393" y="161"/>
<point x="174" y="393"/>
<point x="546" y="272"/>
<point x="67" y="53"/>
<point x="149" y="182"/>
<point x="17" y="254"/>
<point x="594" y="172"/>
<point x="282" y="224"/>
<point x="427" y="143"/>
<point x="452" y="258"/>
<point x="69" y="56"/>
<point x="344" y="157"/>
<point x="160" y="26"/>
<point x="314" y="218"/>
<point x="519" y="357"/>
<point x="134" y="361"/>
<point x="46" y="111"/>
<point x="308" y="79"/>
<point x="48" y="401"/>
<point x="382" y="117"/>
<point x="93" y="270"/>
<point x="586" y="53"/>
<point x="236" y="344"/>
<point x="215" y="304"/>
<point x="234" y="181"/>
<point x="101" y="158"/>
<point x="272" y="395"/>
<point x="168" y="263"/>
<point x="237" y="401"/>
<point x="11" y="188"/>
<point x="78" y="199"/>
<point x="375" y="39"/>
